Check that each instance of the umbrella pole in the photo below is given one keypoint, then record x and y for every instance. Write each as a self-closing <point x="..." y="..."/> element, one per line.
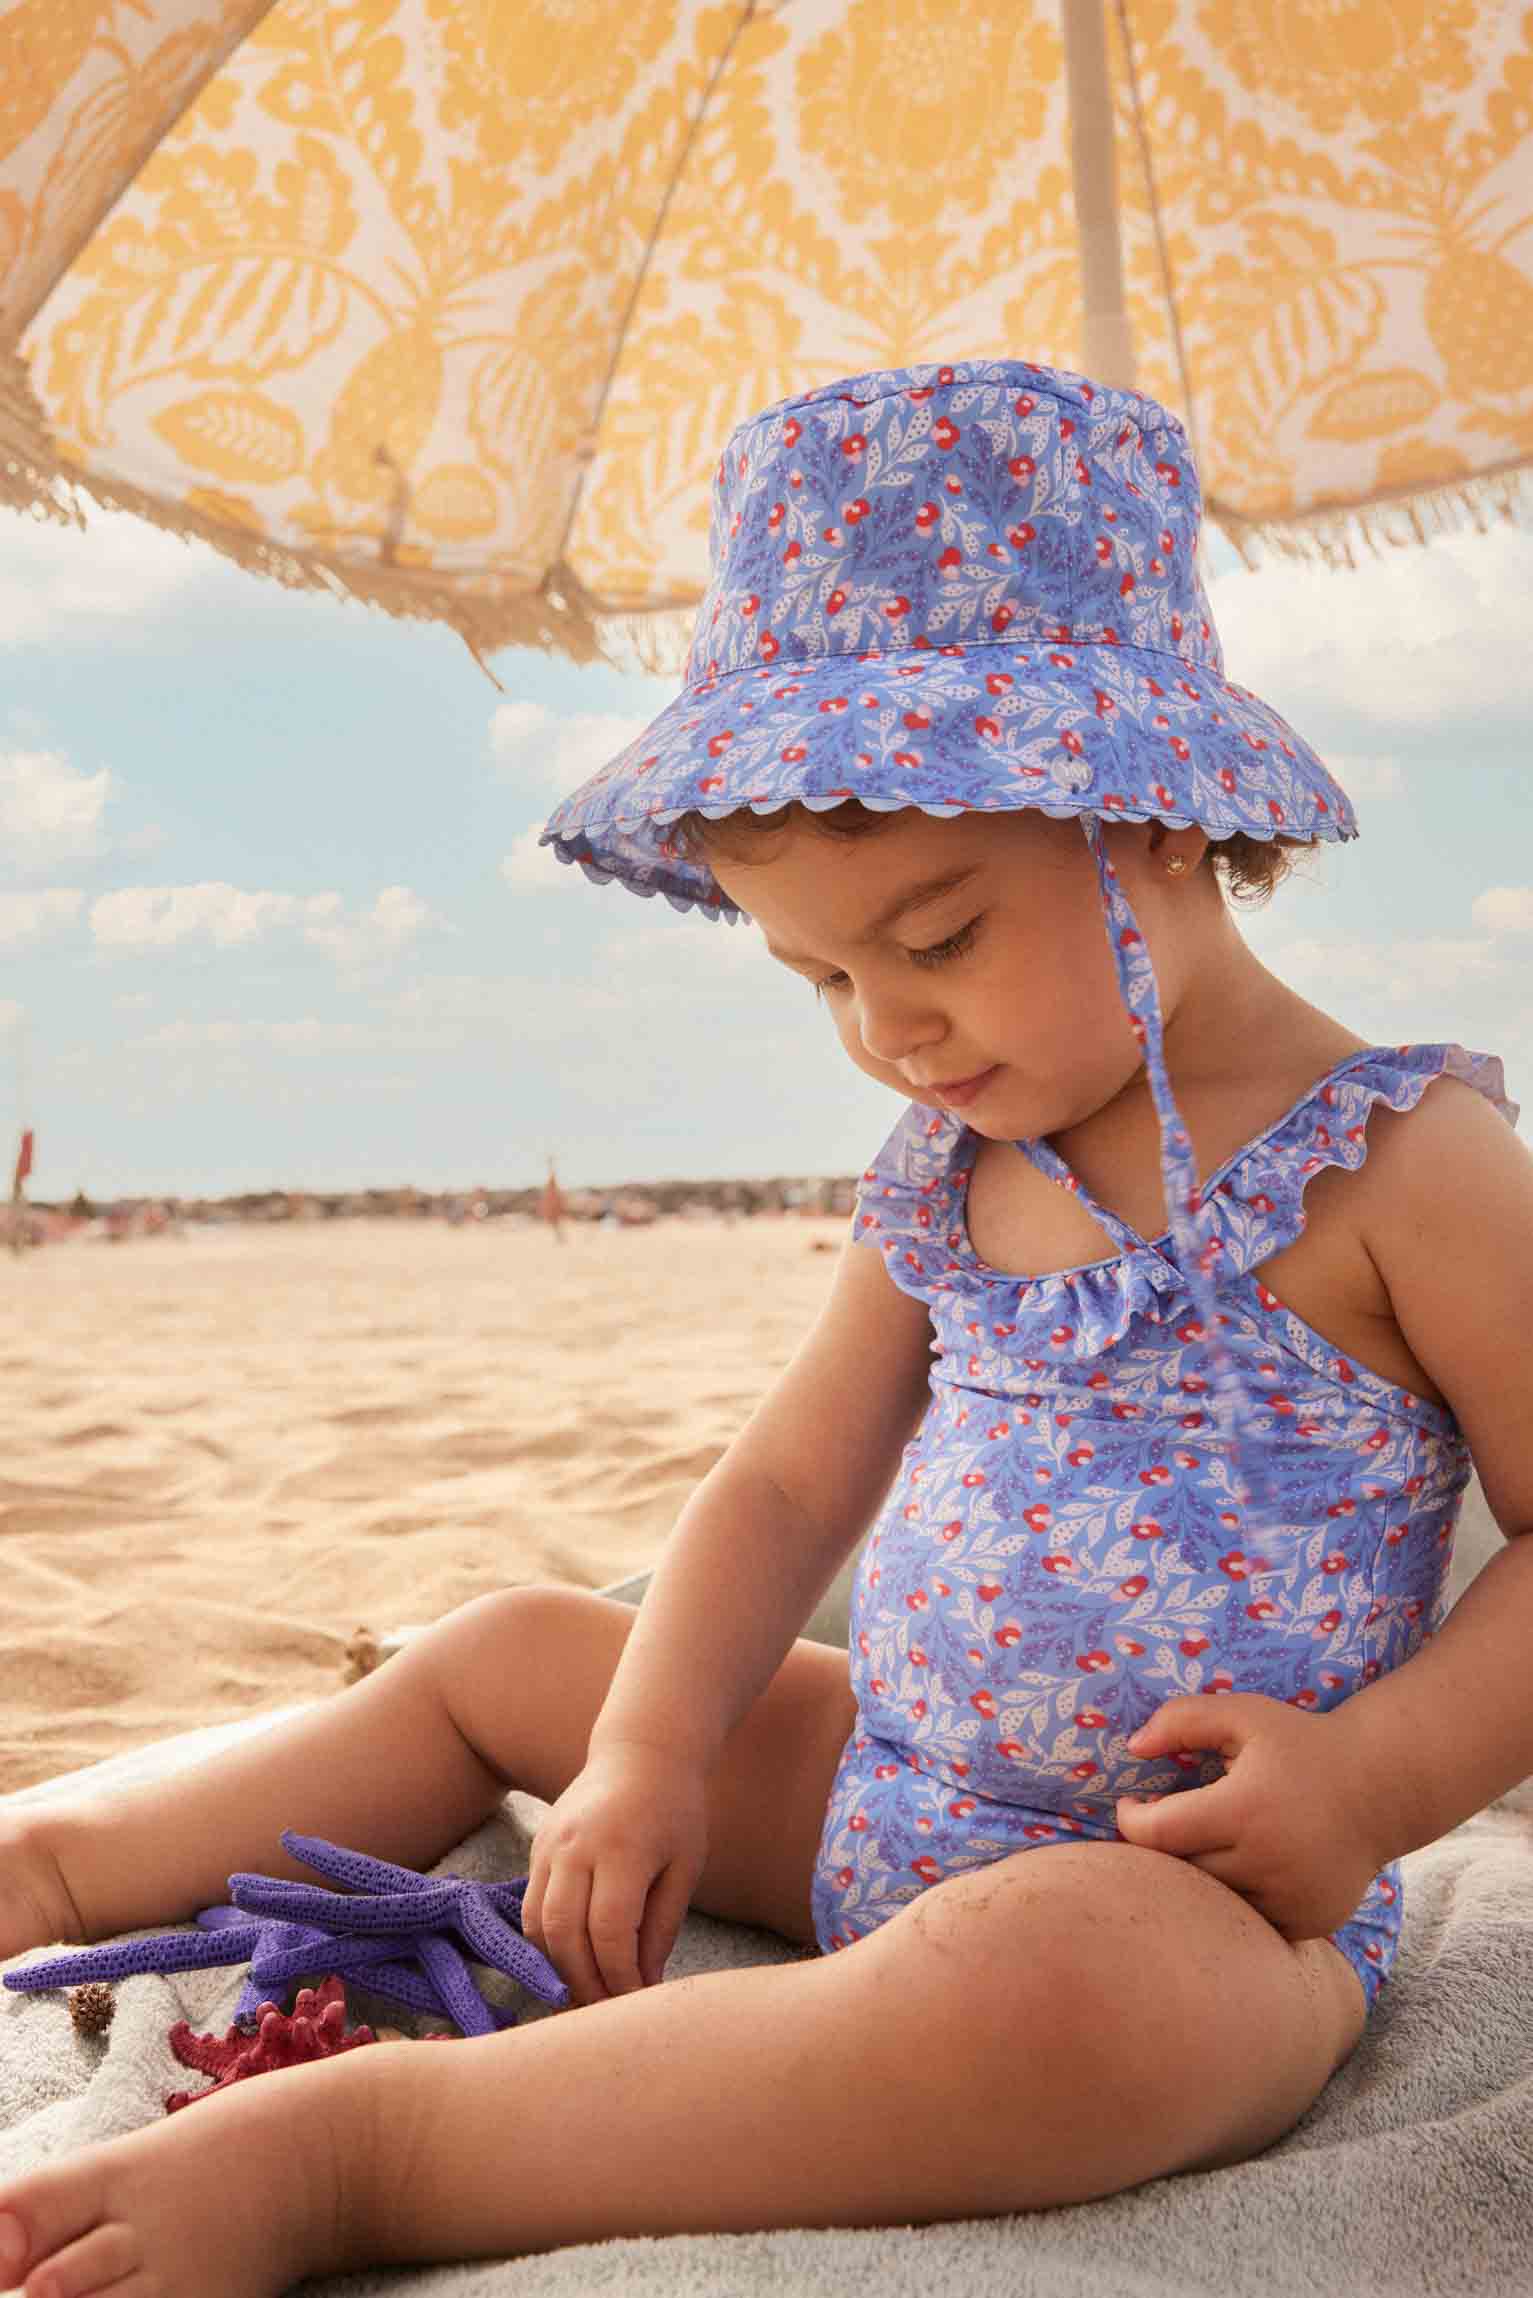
<point x="1107" y="346"/>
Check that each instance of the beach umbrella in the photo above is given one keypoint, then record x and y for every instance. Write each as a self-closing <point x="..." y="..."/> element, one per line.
<point x="449" y="306"/>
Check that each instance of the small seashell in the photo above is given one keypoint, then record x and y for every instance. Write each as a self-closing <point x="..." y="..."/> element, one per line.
<point x="363" y="1654"/>
<point x="92" y="2007"/>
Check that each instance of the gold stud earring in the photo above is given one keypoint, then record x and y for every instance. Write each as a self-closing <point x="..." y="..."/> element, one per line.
<point x="1177" y="863"/>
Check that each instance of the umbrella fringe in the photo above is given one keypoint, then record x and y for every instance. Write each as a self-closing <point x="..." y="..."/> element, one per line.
<point x="1330" y="536"/>
<point x="558" y="615"/>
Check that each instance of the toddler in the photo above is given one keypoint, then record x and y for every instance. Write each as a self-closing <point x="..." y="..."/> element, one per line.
<point x="1170" y="1312"/>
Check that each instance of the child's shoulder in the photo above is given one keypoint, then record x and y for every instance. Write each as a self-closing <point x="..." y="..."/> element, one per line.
<point x="1447" y="1218"/>
<point x="1457" y="1137"/>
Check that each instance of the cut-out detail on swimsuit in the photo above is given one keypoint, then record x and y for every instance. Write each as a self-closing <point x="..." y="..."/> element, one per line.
<point x="1323" y="1352"/>
<point x="1047" y="1160"/>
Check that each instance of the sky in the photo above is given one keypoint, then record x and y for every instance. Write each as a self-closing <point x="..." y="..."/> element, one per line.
<point x="273" y="913"/>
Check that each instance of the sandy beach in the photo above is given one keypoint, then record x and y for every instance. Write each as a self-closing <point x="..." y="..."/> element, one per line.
<point x="227" y="1450"/>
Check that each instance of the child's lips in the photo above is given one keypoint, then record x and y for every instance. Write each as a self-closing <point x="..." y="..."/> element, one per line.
<point x="963" y="1090"/>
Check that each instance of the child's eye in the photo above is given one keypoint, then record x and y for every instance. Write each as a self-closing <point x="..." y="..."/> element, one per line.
<point x="938" y="954"/>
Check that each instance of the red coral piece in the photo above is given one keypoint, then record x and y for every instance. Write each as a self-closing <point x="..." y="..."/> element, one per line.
<point x="316" y="2029"/>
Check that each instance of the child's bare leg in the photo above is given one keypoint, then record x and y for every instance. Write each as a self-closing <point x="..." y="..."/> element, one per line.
<point x="381" y="1767"/>
<point x="1038" y="2032"/>
<point x="501" y="1693"/>
<point x="832" y="2092"/>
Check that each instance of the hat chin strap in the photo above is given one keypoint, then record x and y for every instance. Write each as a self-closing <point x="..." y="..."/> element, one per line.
<point x="1197" y="1242"/>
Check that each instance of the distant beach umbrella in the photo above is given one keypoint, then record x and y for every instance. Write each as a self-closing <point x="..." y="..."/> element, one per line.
<point x="451" y="306"/>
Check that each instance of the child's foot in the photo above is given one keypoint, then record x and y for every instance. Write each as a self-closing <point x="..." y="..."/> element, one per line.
<point x="247" y="2190"/>
<point x="36" y="1909"/>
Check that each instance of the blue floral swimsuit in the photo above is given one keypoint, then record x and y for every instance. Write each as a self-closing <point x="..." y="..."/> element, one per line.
<point x="1065" y="1547"/>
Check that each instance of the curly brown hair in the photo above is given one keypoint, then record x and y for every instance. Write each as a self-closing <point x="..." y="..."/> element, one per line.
<point x="1250" y="870"/>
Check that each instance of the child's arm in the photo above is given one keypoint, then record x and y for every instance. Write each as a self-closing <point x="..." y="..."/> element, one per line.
<point x="762" y="1537"/>
<point x="1312" y="1804"/>
<point x="1449" y="1226"/>
<point x="1452" y="1728"/>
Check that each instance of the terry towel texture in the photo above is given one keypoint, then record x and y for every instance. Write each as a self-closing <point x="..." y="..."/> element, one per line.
<point x="1411" y="2177"/>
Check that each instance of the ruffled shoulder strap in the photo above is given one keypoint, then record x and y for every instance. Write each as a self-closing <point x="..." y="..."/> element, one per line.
<point x="910" y="1200"/>
<point x="1258" y="1198"/>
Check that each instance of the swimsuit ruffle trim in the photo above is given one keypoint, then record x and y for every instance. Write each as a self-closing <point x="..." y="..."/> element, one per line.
<point x="910" y="1206"/>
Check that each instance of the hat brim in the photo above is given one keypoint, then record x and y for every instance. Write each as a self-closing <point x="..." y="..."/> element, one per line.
<point x="1121" y="732"/>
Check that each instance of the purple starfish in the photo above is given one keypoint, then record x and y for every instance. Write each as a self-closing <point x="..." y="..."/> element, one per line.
<point x="370" y="1933"/>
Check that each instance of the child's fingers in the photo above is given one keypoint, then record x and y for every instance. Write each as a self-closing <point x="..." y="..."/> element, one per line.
<point x="617" y="1905"/>
<point x="670" y="1895"/>
<point x="566" y="1936"/>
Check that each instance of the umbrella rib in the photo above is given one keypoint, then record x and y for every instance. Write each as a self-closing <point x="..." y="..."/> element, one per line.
<point x="1137" y="108"/>
<point x="748" y="13"/>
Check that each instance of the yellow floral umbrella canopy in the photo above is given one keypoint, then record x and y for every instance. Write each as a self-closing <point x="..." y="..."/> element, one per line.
<point x="451" y="303"/>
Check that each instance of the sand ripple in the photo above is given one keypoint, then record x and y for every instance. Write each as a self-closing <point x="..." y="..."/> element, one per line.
<point x="224" y="1453"/>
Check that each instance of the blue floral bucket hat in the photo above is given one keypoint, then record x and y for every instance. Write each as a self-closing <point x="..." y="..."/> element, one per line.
<point x="960" y="587"/>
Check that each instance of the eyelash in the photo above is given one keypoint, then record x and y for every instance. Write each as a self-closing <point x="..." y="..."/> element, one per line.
<point x="940" y="953"/>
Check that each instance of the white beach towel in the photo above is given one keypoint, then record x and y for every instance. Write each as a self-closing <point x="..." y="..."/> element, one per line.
<point x="1410" y="2177"/>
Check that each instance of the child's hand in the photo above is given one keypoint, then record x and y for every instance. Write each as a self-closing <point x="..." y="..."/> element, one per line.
<point x="1286" y="1827"/>
<point x="613" y="1868"/>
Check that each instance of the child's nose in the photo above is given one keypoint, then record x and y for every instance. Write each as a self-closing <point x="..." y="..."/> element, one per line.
<point x="895" y="1028"/>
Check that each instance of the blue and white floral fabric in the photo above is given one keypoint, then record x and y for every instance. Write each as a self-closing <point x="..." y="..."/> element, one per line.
<point x="1064" y="1548"/>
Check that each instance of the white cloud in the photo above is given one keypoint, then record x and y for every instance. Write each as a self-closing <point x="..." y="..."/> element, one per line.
<point x="1433" y="635"/>
<point x="157" y="917"/>
<point x="29" y="917"/>
<point x="1504" y="910"/>
<point x="49" y="811"/>
<point x="57" y="582"/>
<point x="160" y="917"/>
<point x="534" y="746"/>
<point x="396" y="917"/>
<point x="533" y="869"/>
<point x="1408" y="972"/>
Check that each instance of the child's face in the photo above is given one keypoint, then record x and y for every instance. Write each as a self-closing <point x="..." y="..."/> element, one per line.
<point x="1009" y="972"/>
